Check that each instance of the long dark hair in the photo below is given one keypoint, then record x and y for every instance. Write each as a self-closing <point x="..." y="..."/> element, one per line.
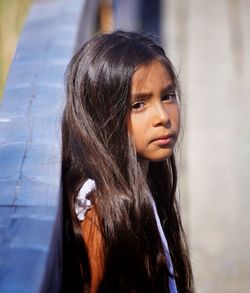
<point x="97" y="145"/>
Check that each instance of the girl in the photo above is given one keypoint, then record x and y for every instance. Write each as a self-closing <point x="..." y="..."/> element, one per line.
<point x="120" y="124"/>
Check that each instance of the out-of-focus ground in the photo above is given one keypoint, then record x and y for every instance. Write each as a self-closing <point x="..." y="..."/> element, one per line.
<point x="12" y="17"/>
<point x="209" y="42"/>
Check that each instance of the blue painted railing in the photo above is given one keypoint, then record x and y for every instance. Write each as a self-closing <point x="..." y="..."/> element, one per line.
<point x="30" y="158"/>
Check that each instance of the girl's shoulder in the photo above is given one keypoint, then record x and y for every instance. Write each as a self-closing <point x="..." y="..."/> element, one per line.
<point x="85" y="210"/>
<point x="83" y="203"/>
<point x="91" y="233"/>
<point x="93" y="241"/>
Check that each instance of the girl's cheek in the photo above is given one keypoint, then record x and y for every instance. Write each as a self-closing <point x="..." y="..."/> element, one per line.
<point x="177" y="118"/>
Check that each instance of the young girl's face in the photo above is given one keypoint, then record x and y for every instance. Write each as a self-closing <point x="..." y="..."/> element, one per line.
<point x="155" y="117"/>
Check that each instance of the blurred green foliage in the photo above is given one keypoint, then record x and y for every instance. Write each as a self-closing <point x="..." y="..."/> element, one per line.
<point x="12" y="17"/>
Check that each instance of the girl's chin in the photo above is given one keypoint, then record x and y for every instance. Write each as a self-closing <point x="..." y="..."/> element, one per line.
<point x="158" y="156"/>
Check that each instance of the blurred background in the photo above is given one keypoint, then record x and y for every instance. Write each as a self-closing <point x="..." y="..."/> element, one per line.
<point x="209" y="44"/>
<point x="12" y="17"/>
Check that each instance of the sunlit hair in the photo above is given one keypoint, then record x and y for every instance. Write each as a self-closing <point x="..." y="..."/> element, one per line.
<point x="97" y="145"/>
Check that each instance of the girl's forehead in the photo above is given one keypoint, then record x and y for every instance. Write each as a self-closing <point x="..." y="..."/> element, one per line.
<point x="151" y="74"/>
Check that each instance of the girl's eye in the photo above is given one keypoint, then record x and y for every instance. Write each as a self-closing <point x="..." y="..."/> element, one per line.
<point x="169" y="97"/>
<point x="138" y="105"/>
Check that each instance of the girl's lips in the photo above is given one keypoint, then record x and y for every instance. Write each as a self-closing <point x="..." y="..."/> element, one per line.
<point x="165" y="140"/>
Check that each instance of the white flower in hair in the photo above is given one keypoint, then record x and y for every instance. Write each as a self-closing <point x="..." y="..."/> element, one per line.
<point x="82" y="204"/>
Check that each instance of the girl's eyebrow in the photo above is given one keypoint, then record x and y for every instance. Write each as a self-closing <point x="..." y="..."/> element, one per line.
<point x="141" y="96"/>
<point x="146" y="95"/>
<point x="170" y="87"/>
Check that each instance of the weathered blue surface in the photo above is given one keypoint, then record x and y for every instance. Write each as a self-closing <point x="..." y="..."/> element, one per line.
<point x="30" y="164"/>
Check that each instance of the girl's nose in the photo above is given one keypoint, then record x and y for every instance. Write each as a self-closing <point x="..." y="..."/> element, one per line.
<point x="161" y="115"/>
